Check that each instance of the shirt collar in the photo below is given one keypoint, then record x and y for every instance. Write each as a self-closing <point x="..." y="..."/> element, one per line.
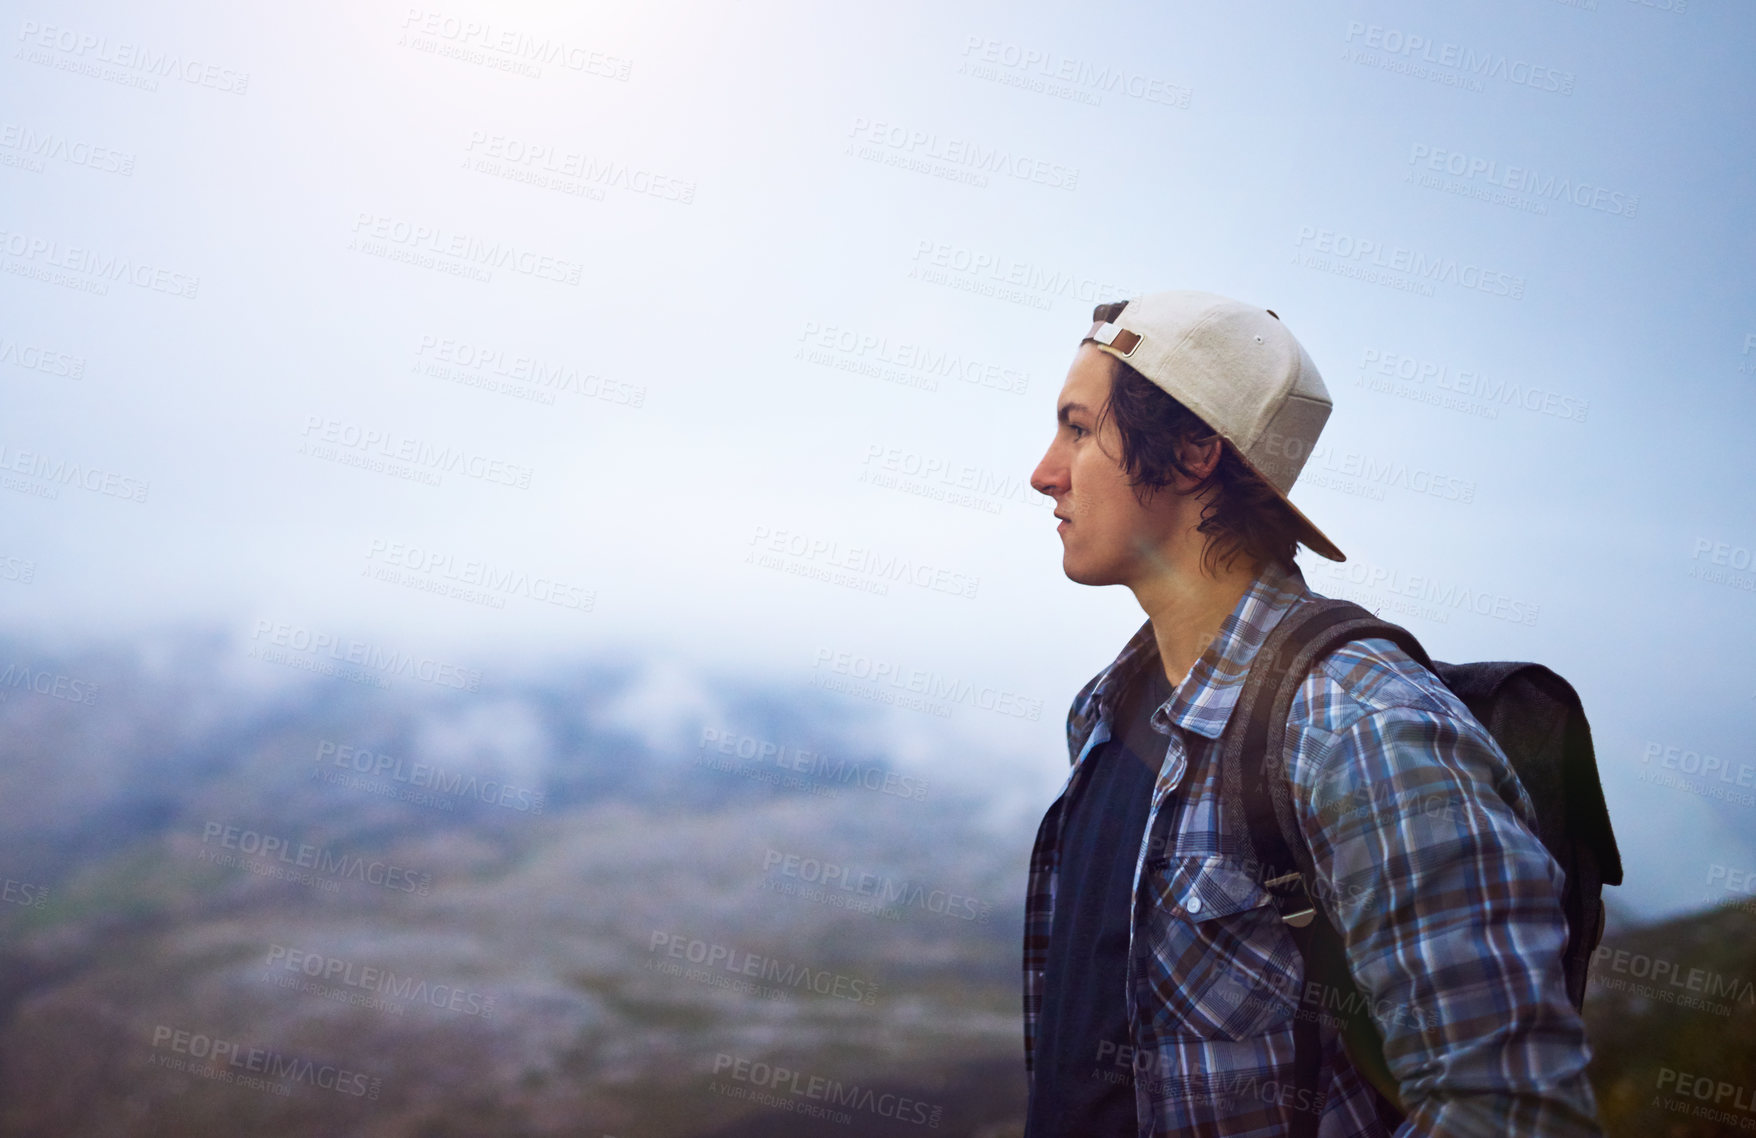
<point x="1203" y="702"/>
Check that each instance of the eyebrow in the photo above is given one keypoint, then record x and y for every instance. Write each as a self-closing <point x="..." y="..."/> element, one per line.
<point x="1067" y="409"/>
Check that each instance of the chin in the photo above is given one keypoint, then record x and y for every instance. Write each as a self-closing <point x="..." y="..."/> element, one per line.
<point x="1084" y="574"/>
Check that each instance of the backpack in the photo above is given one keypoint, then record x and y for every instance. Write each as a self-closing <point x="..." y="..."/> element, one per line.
<point x="1532" y="713"/>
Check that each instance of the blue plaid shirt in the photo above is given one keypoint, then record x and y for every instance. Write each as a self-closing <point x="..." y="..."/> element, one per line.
<point x="1428" y="864"/>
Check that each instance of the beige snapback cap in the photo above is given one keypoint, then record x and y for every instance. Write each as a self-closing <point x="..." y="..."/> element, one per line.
<point x="1237" y="367"/>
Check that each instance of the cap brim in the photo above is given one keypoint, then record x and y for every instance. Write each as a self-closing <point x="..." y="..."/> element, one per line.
<point x="1312" y="537"/>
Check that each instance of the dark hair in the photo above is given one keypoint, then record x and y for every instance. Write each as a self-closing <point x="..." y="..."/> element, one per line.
<point x="1245" y="516"/>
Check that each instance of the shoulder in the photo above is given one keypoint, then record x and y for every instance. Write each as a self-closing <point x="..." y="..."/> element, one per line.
<point x="1370" y="712"/>
<point x="1373" y="681"/>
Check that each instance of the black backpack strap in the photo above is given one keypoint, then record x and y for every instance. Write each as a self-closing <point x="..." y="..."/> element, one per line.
<point x="1254" y="768"/>
<point x="1254" y="773"/>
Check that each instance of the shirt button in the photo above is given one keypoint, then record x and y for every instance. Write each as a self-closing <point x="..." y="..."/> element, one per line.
<point x="1194" y="905"/>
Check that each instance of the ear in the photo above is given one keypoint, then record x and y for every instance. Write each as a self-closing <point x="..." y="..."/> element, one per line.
<point x="1200" y="457"/>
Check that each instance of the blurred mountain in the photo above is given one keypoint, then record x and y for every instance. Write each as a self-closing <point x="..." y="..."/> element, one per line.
<point x="506" y="911"/>
<point x="1671" y="1012"/>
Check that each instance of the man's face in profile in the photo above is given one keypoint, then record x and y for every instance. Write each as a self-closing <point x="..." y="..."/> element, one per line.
<point x="1109" y="538"/>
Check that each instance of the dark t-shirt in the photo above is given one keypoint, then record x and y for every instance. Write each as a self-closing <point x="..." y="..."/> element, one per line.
<point x="1083" y="1079"/>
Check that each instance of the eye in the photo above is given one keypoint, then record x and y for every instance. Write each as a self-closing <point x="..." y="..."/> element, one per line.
<point x="1078" y="430"/>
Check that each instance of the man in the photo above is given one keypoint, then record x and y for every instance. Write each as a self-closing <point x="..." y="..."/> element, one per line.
<point x="1161" y="985"/>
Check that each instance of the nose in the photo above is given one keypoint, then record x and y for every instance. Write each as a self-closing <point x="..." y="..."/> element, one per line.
<point x="1046" y="478"/>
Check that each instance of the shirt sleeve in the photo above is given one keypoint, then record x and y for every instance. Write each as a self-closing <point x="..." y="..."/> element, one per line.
<point x="1449" y="906"/>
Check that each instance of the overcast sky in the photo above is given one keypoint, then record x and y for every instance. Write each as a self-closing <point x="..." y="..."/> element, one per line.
<point x="631" y="324"/>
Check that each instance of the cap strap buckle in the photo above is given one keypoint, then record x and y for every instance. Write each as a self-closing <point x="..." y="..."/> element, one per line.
<point x="1111" y="336"/>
